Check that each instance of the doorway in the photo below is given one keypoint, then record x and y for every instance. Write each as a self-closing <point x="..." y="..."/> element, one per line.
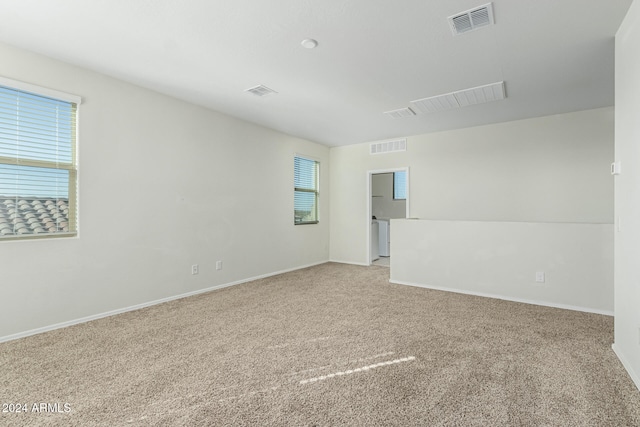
<point x="387" y="199"/>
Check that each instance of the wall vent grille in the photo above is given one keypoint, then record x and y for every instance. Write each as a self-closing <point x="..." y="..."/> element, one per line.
<point x="471" y="19"/>
<point x="388" y="146"/>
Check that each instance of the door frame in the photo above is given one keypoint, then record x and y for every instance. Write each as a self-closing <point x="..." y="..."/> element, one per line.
<point x="370" y="201"/>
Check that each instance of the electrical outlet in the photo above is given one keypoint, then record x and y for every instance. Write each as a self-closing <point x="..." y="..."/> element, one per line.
<point x="218" y="265"/>
<point x="540" y="276"/>
<point x="195" y="269"/>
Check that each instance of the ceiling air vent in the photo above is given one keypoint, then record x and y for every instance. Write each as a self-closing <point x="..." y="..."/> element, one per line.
<point x="471" y="19"/>
<point x="388" y="146"/>
<point x="402" y="112"/>
<point x="461" y="98"/>
<point x="260" y="90"/>
<point x="480" y="94"/>
<point x="436" y="103"/>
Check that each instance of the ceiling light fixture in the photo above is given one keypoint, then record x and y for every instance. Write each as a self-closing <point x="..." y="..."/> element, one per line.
<point x="309" y="43"/>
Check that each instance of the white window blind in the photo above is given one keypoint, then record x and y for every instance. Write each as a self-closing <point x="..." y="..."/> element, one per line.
<point x="400" y="185"/>
<point x="38" y="169"/>
<point x="305" y="198"/>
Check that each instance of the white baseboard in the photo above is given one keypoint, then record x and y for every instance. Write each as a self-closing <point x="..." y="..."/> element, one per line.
<point x="349" y="262"/>
<point x="634" y="376"/>
<point x="145" y="304"/>
<point x="506" y="298"/>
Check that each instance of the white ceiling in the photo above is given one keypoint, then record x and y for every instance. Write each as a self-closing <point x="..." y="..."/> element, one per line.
<point x="373" y="56"/>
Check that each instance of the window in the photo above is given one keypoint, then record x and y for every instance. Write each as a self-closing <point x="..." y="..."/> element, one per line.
<point x="400" y="185"/>
<point x="305" y="194"/>
<point x="38" y="169"/>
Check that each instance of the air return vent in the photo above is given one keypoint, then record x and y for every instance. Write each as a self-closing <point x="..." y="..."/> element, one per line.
<point x="461" y="98"/>
<point x="402" y="112"/>
<point x="388" y="146"/>
<point x="260" y="90"/>
<point x="471" y="19"/>
<point x="435" y="103"/>
<point x="480" y="94"/>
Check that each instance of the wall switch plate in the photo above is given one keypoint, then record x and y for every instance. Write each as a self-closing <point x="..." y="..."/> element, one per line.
<point x="218" y="265"/>
<point x="195" y="269"/>
<point x="540" y="276"/>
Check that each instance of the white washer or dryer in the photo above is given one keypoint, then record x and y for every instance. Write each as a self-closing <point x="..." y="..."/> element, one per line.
<point x="384" y="234"/>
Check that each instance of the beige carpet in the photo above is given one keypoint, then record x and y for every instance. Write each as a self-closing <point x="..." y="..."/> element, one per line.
<point x="329" y="345"/>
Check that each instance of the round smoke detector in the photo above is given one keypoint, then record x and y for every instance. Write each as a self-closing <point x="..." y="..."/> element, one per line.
<point x="309" y="43"/>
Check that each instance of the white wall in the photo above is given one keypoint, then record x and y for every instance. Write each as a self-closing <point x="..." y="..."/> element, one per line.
<point x="548" y="169"/>
<point x="501" y="259"/>
<point x="383" y="205"/>
<point x="627" y="189"/>
<point x="163" y="185"/>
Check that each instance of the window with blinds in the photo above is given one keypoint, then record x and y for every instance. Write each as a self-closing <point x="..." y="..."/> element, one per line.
<point x="38" y="165"/>
<point x="305" y="193"/>
<point x="399" y="185"/>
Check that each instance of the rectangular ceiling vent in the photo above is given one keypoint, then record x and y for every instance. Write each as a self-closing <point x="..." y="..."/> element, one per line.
<point x="461" y="98"/>
<point x="436" y="103"/>
<point x="471" y="19"/>
<point x="481" y="94"/>
<point x="388" y="146"/>
<point x="402" y="112"/>
<point x="260" y="90"/>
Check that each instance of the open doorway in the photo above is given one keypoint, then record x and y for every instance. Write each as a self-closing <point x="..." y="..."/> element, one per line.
<point x="387" y="199"/>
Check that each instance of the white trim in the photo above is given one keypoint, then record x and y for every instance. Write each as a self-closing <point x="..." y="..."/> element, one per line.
<point x="369" y="201"/>
<point x="506" y="298"/>
<point x="146" y="304"/>
<point x="39" y="90"/>
<point x="307" y="157"/>
<point x="349" y="262"/>
<point x="77" y="165"/>
<point x="634" y="376"/>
